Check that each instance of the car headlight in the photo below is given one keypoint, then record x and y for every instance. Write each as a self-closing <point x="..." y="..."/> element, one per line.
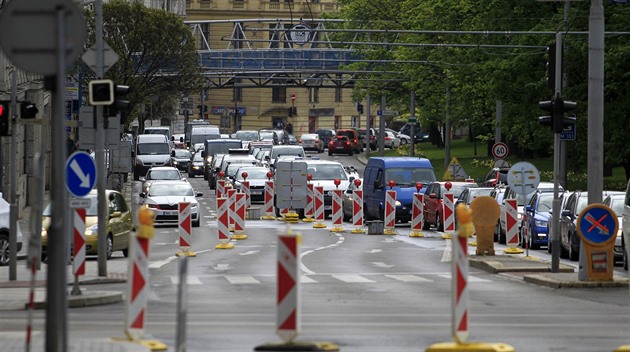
<point x="196" y="167"/>
<point x="519" y="216"/>
<point x="151" y="206"/>
<point x="92" y="230"/>
<point x="540" y="223"/>
<point x="398" y="203"/>
<point x="175" y="162"/>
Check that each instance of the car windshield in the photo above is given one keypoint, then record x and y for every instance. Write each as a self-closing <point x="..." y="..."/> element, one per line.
<point x="254" y="174"/>
<point x="153" y="148"/>
<point x="327" y="172"/>
<point x="407" y="176"/>
<point x="197" y="157"/>
<point x="182" y="153"/>
<point x="170" y="189"/>
<point x="222" y="147"/>
<point x="457" y="189"/>
<point x="163" y="175"/>
<point x="232" y="168"/>
<point x="545" y="203"/>
<point x="266" y="135"/>
<point x="616" y="204"/>
<point x="478" y="192"/>
<point x="309" y="137"/>
<point x="200" y="138"/>
<point x="278" y="151"/>
<point x="247" y="135"/>
<point x="582" y="203"/>
<point x="92" y="210"/>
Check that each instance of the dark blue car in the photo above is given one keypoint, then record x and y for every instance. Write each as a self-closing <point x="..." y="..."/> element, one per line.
<point x="535" y="220"/>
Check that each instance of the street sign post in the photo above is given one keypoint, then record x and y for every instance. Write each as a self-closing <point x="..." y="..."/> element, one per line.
<point x="500" y="150"/>
<point x="80" y="174"/>
<point x="568" y="133"/>
<point x="597" y="226"/>
<point x="523" y="178"/>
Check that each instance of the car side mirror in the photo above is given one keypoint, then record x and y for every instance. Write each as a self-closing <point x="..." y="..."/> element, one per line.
<point x="203" y="153"/>
<point x="528" y="208"/>
<point x="173" y="153"/>
<point x="377" y="185"/>
<point x="173" y="138"/>
<point x="115" y="214"/>
<point x="199" y="194"/>
<point x="142" y="195"/>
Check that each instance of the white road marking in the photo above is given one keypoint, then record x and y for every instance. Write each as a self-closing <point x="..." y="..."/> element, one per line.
<point x="470" y="278"/>
<point x="448" y="251"/>
<point x="249" y="252"/>
<point x="382" y="265"/>
<point x="221" y="267"/>
<point x="240" y="279"/>
<point x="307" y="280"/>
<point x="408" y="278"/>
<point x="372" y="251"/>
<point x="190" y="280"/>
<point x="352" y="278"/>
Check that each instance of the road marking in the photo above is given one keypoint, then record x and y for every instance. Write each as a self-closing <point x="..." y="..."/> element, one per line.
<point x="408" y="278"/>
<point x="470" y="278"/>
<point x="241" y="280"/>
<point x="382" y="265"/>
<point x="221" y="267"/>
<point x="190" y="280"/>
<point x="309" y="271"/>
<point x="352" y="278"/>
<point x="448" y="252"/>
<point x="372" y="251"/>
<point x="307" y="280"/>
<point x="249" y="252"/>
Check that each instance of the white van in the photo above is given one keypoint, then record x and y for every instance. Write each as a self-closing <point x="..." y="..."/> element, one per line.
<point x="165" y="130"/>
<point x="625" y="226"/>
<point x="150" y="150"/>
<point x="200" y="134"/>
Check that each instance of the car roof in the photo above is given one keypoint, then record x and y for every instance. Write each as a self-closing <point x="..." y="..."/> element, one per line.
<point x="163" y="168"/>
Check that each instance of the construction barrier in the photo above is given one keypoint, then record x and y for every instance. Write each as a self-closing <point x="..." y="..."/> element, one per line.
<point x="283" y="213"/>
<point x="184" y="220"/>
<point x="288" y="308"/>
<point x="246" y="190"/>
<point x="337" y="211"/>
<point x="269" y="210"/>
<point x="220" y="188"/>
<point x="511" y="226"/>
<point x="231" y="195"/>
<point x="357" y="210"/>
<point x="318" y="207"/>
<point x="239" y="217"/>
<point x="417" y="215"/>
<point x="223" y="222"/>
<point x="390" y="212"/>
<point x="78" y="264"/>
<point x="308" y="211"/>
<point x="449" y="211"/>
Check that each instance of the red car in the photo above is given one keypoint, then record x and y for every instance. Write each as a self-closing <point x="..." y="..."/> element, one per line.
<point x="340" y="144"/>
<point x="433" y="207"/>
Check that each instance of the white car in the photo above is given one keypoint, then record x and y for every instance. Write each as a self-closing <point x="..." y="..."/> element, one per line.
<point x="4" y="232"/>
<point x="163" y="197"/>
<point x="157" y="173"/>
<point x="324" y="173"/>
<point x="391" y="141"/>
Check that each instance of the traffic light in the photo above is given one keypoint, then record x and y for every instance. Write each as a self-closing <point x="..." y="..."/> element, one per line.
<point x="101" y="92"/>
<point x="360" y="108"/>
<point x="119" y="103"/>
<point x="557" y="108"/>
<point x="546" y="105"/>
<point x="28" y="110"/>
<point x="293" y="111"/>
<point x="5" y="118"/>
<point x="203" y="110"/>
<point x="551" y="66"/>
<point x="290" y="112"/>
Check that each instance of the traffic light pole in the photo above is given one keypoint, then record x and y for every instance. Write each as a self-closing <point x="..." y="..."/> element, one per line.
<point x="555" y="217"/>
<point x="99" y="141"/>
<point x="412" y="126"/>
<point x="13" y="209"/>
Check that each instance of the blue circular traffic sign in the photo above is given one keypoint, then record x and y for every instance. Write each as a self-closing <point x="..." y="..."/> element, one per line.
<point x="80" y="174"/>
<point x="597" y="224"/>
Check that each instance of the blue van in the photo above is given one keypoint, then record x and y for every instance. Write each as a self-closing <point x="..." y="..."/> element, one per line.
<point x="405" y="171"/>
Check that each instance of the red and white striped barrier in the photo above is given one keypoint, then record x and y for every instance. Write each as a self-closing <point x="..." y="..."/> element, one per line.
<point x="139" y="275"/>
<point x="318" y="197"/>
<point x="449" y="212"/>
<point x="283" y="213"/>
<point x="269" y="212"/>
<point x="510" y="214"/>
<point x="390" y="212"/>
<point x="223" y="223"/>
<point x="337" y="211"/>
<point x="184" y="229"/>
<point x="239" y="217"/>
<point x="459" y="278"/>
<point x="78" y="265"/>
<point x="357" y="211"/>
<point x="308" y="211"/>
<point x="288" y="287"/>
<point x="417" y="216"/>
<point x="231" y="195"/>
<point x="220" y="188"/>
<point x="246" y="190"/>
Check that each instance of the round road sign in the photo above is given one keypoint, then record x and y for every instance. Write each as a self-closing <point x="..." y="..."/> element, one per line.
<point x="29" y="38"/>
<point x="523" y="178"/>
<point x="597" y="224"/>
<point x="500" y="150"/>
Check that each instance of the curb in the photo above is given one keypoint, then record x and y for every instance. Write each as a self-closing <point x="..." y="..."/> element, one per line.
<point x="86" y="299"/>
<point x="501" y="264"/>
<point x="563" y="281"/>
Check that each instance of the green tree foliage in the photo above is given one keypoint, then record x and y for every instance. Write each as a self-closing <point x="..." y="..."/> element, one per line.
<point x="157" y="56"/>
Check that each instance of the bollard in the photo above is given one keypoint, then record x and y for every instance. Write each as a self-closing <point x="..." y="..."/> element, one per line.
<point x="184" y="220"/>
<point x="318" y="197"/>
<point x="220" y="189"/>
<point x="448" y="208"/>
<point x="511" y="230"/>
<point x="417" y="213"/>
<point x="239" y="217"/>
<point x="139" y="280"/>
<point x="269" y="209"/>
<point x="245" y="189"/>
<point x="223" y="222"/>
<point x="78" y="265"/>
<point x="390" y="210"/>
<point x="337" y="209"/>
<point x="308" y="211"/>
<point x="357" y="208"/>
<point x="231" y="195"/>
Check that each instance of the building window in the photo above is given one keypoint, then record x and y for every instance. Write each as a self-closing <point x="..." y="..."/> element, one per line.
<point x="338" y="94"/>
<point x="313" y="95"/>
<point x="237" y="91"/>
<point x="279" y="95"/>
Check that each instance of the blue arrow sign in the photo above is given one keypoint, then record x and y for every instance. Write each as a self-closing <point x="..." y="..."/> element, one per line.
<point x="80" y="174"/>
<point x="597" y="223"/>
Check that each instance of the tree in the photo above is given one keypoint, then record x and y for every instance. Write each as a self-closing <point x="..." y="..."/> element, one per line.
<point x="157" y="56"/>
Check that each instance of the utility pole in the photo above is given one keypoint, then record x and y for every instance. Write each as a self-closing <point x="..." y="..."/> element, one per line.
<point x="368" y="125"/>
<point x="381" y="127"/>
<point x="99" y="141"/>
<point x="13" y="209"/>
<point x="412" y="123"/>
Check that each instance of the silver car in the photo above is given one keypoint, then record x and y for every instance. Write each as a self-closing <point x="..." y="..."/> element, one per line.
<point x="311" y="141"/>
<point x="163" y="197"/>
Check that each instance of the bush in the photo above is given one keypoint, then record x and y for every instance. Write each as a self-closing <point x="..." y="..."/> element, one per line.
<point x="403" y="150"/>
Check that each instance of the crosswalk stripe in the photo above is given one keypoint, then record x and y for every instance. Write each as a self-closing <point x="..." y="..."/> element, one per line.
<point x="190" y="279"/>
<point x="470" y="278"/>
<point x="307" y="280"/>
<point x="241" y="279"/>
<point x="352" y="278"/>
<point x="408" y="278"/>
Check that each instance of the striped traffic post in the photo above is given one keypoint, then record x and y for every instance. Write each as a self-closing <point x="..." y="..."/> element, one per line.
<point x="239" y="217"/>
<point x="223" y="222"/>
<point x="337" y="209"/>
<point x="318" y="197"/>
<point x="511" y="226"/>
<point x="459" y="283"/>
<point x="308" y="211"/>
<point x="417" y="216"/>
<point x="138" y="275"/>
<point x="269" y="212"/>
<point x="220" y="188"/>
<point x="390" y="209"/>
<point x="357" y="208"/>
<point x="448" y="209"/>
<point x="78" y="265"/>
<point x="231" y="195"/>
<point x="184" y="229"/>
<point x="245" y="189"/>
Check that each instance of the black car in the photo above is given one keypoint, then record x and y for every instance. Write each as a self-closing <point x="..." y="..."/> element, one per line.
<point x="325" y="135"/>
<point x="180" y="158"/>
<point x="195" y="166"/>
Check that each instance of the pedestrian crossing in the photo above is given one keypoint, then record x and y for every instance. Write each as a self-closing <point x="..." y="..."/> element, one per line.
<point x="331" y="278"/>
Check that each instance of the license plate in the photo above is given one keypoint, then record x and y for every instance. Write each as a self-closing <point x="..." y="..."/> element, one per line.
<point x="168" y="212"/>
<point x="256" y="193"/>
<point x="339" y="147"/>
<point x="328" y="207"/>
